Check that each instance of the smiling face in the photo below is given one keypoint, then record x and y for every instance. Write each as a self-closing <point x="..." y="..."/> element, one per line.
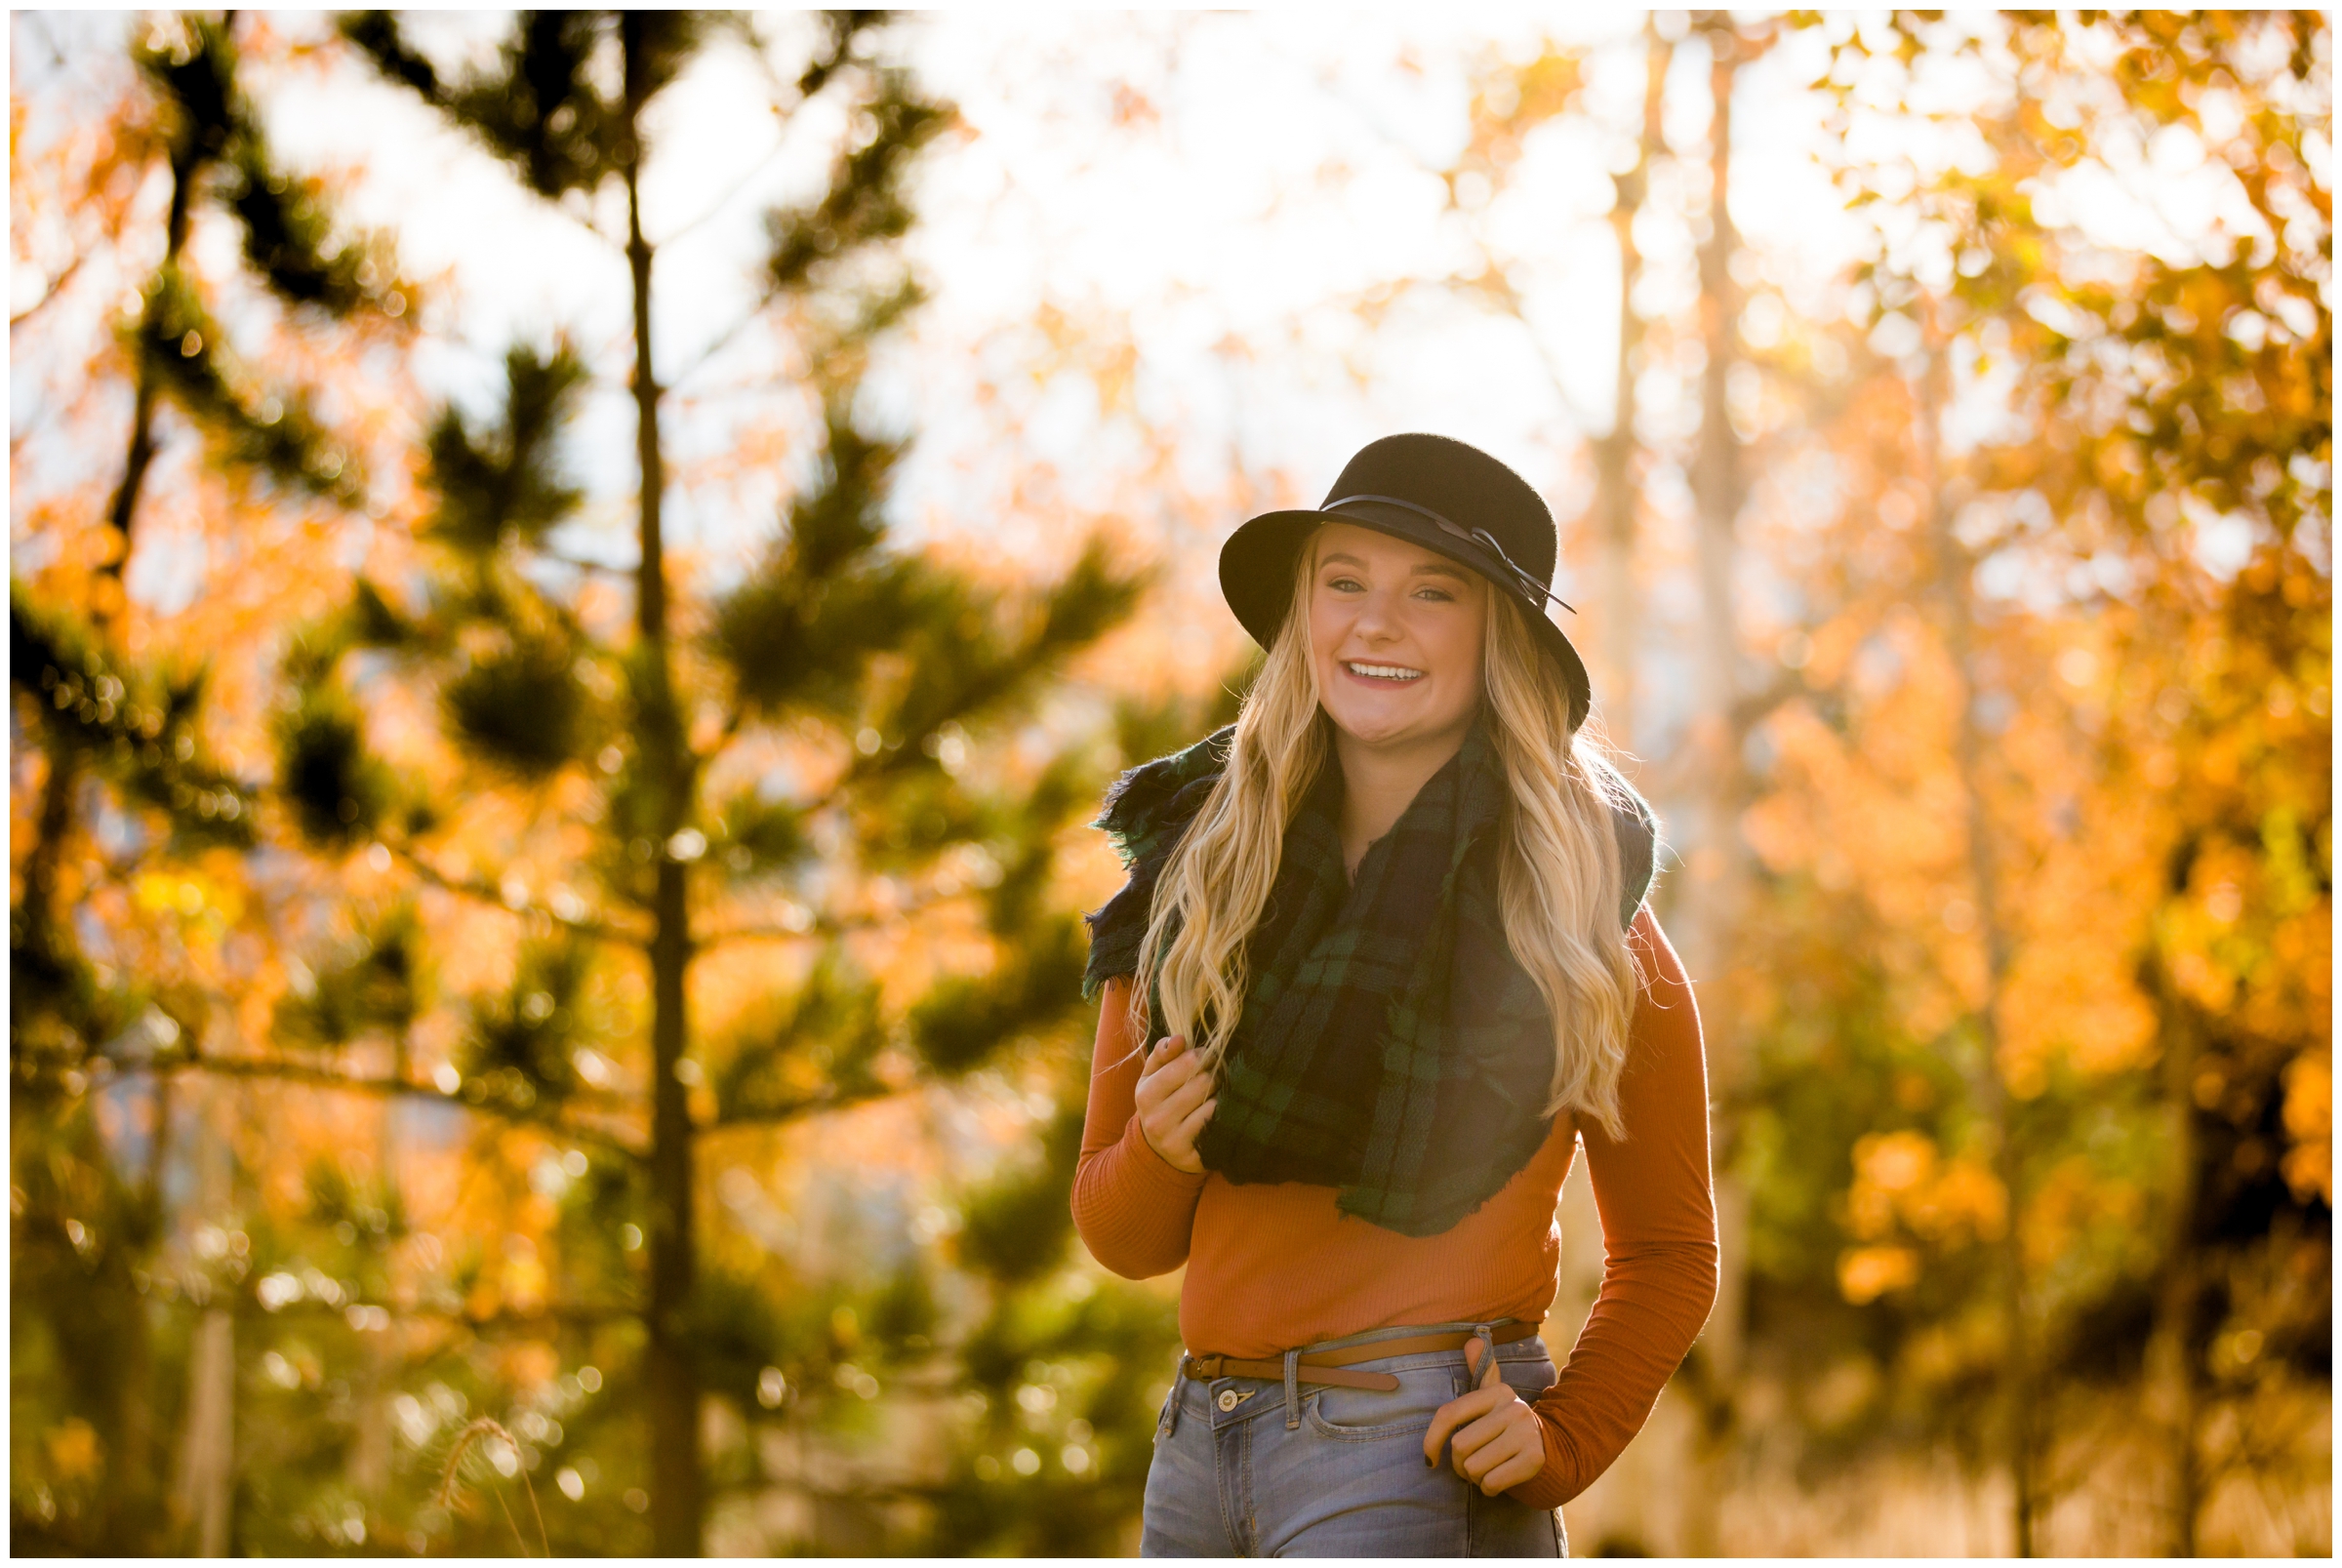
<point x="1395" y="637"/>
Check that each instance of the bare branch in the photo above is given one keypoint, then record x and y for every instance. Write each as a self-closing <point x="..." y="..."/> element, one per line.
<point x="57" y="286"/>
<point x="722" y="341"/>
<point x="730" y="192"/>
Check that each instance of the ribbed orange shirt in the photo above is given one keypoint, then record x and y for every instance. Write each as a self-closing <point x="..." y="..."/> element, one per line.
<point x="1272" y="1268"/>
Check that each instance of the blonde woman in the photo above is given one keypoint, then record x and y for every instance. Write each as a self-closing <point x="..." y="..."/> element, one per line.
<point x="1380" y="965"/>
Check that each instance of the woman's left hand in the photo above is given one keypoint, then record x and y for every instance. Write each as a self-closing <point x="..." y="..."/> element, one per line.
<point x="1499" y="1442"/>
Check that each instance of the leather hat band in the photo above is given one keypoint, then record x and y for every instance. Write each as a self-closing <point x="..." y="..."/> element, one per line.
<point x="1520" y="579"/>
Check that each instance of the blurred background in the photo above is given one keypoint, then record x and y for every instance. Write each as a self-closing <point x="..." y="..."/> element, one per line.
<point x="543" y="1006"/>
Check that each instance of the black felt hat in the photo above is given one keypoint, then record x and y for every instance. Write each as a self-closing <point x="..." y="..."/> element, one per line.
<point x="1429" y="491"/>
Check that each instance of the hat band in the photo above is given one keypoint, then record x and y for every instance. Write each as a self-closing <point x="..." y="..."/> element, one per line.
<point x="1522" y="580"/>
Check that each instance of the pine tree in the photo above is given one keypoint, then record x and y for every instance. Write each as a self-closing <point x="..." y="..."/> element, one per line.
<point x="884" y="669"/>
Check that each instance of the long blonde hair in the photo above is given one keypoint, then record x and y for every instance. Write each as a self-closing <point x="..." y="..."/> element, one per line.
<point x="1558" y="880"/>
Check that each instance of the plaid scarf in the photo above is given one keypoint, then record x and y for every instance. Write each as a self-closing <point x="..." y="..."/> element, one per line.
<point x="1389" y="1045"/>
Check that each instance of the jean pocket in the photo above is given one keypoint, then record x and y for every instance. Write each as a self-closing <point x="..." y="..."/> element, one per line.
<point x="1163" y="1417"/>
<point x="1528" y="1379"/>
<point x="1369" y="1415"/>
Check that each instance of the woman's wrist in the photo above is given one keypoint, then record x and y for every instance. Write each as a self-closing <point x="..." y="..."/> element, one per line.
<point x="1152" y="1160"/>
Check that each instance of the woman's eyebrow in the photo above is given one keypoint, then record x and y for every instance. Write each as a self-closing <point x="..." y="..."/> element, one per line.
<point x="1427" y="569"/>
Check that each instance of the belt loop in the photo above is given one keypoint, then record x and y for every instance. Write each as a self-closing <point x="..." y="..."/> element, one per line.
<point x="1487" y="1339"/>
<point x="1292" y="1390"/>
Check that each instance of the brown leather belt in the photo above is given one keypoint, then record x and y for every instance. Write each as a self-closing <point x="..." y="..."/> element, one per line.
<point x="1328" y="1366"/>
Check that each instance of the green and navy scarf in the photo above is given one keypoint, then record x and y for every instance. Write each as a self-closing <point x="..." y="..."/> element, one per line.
<point x="1390" y="1044"/>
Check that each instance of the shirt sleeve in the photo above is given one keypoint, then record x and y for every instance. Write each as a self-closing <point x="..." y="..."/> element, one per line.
<point x="1134" y="1213"/>
<point x="1659" y="1248"/>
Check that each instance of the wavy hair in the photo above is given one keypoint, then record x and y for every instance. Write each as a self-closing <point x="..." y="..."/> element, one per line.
<point x="1558" y="879"/>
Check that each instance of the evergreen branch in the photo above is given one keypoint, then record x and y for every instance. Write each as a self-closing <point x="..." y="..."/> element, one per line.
<point x="488" y="893"/>
<point x="278" y="1070"/>
<point x="783" y="1112"/>
<point x="557" y="1314"/>
<point x="821" y="927"/>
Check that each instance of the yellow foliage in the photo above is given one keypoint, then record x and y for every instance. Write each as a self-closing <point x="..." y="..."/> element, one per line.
<point x="1899" y="1178"/>
<point x="74" y="1452"/>
<point x="2309" y="1114"/>
<point x="1866" y="1273"/>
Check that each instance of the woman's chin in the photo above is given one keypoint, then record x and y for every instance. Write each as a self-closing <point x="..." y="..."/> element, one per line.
<point x="1383" y="724"/>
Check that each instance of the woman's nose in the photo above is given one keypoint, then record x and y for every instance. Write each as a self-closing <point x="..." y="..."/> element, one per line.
<point x="1377" y="619"/>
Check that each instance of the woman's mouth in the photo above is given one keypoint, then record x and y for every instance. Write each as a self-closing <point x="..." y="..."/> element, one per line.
<point x="1386" y="674"/>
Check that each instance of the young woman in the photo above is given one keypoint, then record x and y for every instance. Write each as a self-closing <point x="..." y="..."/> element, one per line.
<point x="1382" y="964"/>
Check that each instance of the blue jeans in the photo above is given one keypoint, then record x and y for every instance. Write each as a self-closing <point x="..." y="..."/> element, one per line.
<point x="1338" y="1473"/>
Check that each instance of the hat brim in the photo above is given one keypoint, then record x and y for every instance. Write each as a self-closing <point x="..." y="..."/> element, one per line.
<point x="1256" y="579"/>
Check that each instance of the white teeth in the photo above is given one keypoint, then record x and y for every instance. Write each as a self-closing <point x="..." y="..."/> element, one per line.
<point x="1383" y="672"/>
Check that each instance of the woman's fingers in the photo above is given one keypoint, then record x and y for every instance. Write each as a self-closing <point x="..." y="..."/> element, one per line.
<point x="1169" y="1065"/>
<point x="1457" y="1413"/>
<point x="1174" y="1092"/>
<point x="1193" y="1128"/>
<point x="1501" y="1449"/>
<point x="1165" y="1110"/>
<point x="1493" y="1440"/>
<point x="1515" y="1470"/>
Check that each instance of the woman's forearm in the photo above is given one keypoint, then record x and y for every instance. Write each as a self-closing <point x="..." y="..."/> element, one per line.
<point x="1659" y="1248"/>
<point x="1134" y="1213"/>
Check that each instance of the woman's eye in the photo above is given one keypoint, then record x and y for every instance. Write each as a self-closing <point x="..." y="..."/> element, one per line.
<point x="1344" y="584"/>
<point x="1436" y="595"/>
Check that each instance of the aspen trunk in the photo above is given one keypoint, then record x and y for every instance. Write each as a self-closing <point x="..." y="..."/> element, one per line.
<point x="2019" y="1391"/>
<point x="1720" y="862"/>
<point x="1620" y="607"/>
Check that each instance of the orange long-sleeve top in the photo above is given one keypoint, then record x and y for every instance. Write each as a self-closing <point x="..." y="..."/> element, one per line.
<point x="1273" y="1267"/>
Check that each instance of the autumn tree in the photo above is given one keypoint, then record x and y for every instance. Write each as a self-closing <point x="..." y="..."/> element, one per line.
<point x="118" y="732"/>
<point x="1984" y="799"/>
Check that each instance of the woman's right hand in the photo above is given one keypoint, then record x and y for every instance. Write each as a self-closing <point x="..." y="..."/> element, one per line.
<point x="1175" y="1101"/>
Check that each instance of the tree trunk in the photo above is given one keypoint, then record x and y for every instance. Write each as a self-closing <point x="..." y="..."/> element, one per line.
<point x="2019" y="1392"/>
<point x="671" y="1384"/>
<point x="204" y="1492"/>
<point x="121" y="511"/>
<point x="1614" y="453"/>
<point x="144" y="1509"/>
<point x="141" y="1507"/>
<point x="370" y="1448"/>
<point x="1719" y="862"/>
<point x="2174" y="1361"/>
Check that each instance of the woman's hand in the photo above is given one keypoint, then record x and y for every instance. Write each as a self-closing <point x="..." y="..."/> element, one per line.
<point x="1175" y="1101"/>
<point x="1499" y="1442"/>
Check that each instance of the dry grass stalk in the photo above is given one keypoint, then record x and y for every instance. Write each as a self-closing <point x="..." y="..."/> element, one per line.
<point x="490" y="1427"/>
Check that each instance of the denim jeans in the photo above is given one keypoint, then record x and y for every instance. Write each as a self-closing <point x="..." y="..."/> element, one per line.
<point x="1338" y="1473"/>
